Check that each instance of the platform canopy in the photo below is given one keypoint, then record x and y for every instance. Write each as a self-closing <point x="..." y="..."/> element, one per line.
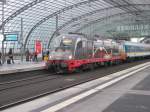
<point x="45" y="19"/>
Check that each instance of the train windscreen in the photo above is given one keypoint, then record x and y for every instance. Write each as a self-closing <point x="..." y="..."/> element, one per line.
<point x="67" y="42"/>
<point x="64" y="50"/>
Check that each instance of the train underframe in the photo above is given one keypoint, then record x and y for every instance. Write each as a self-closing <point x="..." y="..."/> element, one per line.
<point x="69" y="66"/>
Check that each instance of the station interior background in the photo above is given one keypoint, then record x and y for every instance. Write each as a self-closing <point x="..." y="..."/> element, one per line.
<point x="45" y="19"/>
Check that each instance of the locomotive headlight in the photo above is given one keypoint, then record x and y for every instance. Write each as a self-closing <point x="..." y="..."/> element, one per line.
<point x="101" y="48"/>
<point x="50" y="57"/>
<point x="70" y="57"/>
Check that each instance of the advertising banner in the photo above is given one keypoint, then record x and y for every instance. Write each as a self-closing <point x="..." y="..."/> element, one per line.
<point x="38" y="47"/>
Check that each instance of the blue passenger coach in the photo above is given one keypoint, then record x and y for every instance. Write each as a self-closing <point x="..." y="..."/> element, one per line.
<point x="136" y="49"/>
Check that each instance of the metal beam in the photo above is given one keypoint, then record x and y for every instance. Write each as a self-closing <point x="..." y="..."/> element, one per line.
<point x="111" y="16"/>
<point x="54" y="14"/>
<point x="21" y="40"/>
<point x="56" y="22"/>
<point x="128" y="3"/>
<point x="89" y="14"/>
<point x="3" y="30"/>
<point x="20" y="11"/>
<point x="127" y="9"/>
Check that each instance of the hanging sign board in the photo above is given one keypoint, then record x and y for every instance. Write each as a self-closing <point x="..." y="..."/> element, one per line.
<point x="38" y="47"/>
<point x="10" y="37"/>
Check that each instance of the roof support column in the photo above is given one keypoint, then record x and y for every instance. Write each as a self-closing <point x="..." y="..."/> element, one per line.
<point x="3" y="30"/>
<point x="21" y="40"/>
<point x="56" y="23"/>
<point x="56" y="33"/>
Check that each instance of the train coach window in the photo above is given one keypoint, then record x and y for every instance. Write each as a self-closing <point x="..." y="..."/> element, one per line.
<point x="129" y="48"/>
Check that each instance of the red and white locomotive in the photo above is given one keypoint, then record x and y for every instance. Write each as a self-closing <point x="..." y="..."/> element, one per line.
<point x="73" y="52"/>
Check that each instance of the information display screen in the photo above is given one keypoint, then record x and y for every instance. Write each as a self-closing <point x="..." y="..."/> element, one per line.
<point x="11" y="37"/>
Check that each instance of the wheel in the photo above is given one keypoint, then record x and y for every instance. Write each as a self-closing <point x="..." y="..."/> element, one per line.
<point x="105" y="64"/>
<point x="109" y="63"/>
<point x="91" y="66"/>
<point x="79" y="70"/>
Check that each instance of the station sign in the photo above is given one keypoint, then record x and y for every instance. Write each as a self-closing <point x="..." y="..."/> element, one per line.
<point x="38" y="47"/>
<point x="10" y="37"/>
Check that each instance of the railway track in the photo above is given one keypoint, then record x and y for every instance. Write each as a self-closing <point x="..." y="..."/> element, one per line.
<point x="27" y="81"/>
<point x="34" y="87"/>
<point x="4" y="78"/>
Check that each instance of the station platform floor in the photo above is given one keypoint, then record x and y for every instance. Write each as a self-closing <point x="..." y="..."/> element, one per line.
<point x="19" y="66"/>
<point x="124" y="91"/>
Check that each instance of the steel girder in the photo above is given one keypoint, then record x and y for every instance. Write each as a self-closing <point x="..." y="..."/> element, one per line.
<point x="127" y="2"/>
<point x="20" y="11"/>
<point x="127" y="9"/>
<point x="111" y="16"/>
<point x="54" y="14"/>
<point x="89" y="14"/>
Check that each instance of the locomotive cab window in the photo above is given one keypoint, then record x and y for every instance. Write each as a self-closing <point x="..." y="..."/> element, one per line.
<point x="67" y="42"/>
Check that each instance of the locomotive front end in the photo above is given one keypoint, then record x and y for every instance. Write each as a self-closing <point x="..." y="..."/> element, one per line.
<point x="61" y="56"/>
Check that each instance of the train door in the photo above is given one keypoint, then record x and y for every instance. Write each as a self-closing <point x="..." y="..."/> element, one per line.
<point x="83" y="49"/>
<point x="79" y="50"/>
<point x="89" y="49"/>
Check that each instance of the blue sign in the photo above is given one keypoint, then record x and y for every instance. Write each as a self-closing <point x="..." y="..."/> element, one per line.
<point x="11" y="37"/>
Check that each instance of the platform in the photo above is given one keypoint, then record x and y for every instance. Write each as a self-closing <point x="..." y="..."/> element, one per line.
<point x="19" y="66"/>
<point x="124" y="91"/>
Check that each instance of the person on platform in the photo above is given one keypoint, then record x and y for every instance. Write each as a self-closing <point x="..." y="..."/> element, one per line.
<point x="35" y="56"/>
<point x="27" y="55"/>
<point x="47" y="53"/>
<point x="10" y="56"/>
<point x="43" y="55"/>
<point x="31" y="56"/>
<point x="0" y="58"/>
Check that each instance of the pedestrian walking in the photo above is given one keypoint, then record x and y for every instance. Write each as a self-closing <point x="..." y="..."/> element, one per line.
<point x="10" y="57"/>
<point x="35" y="57"/>
<point x="0" y="58"/>
<point x="27" y="53"/>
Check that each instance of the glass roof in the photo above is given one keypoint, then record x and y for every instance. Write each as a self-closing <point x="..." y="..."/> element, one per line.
<point x="41" y="18"/>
